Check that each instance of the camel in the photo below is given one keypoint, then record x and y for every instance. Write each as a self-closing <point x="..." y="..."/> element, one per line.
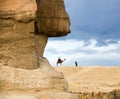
<point x="59" y="61"/>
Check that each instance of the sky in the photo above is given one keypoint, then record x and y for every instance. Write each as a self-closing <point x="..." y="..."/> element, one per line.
<point x="95" y="35"/>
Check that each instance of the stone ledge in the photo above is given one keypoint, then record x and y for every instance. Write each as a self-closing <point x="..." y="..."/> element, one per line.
<point x="43" y="78"/>
<point x="42" y="95"/>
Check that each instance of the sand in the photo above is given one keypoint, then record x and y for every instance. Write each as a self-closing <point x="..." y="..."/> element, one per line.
<point x="91" y="78"/>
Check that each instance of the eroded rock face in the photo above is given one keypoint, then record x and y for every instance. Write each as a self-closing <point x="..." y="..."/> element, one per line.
<point x="41" y="83"/>
<point x="52" y="19"/>
<point x="24" y="10"/>
<point x="17" y="46"/>
<point x="25" y="26"/>
<point x="43" y="78"/>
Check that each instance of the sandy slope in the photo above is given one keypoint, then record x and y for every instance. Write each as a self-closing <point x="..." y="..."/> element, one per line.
<point x="97" y="78"/>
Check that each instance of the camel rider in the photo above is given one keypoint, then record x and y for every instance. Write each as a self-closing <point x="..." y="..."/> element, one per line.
<point x="59" y="60"/>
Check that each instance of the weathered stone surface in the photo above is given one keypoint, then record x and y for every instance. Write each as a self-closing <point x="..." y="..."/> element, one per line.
<point x="17" y="46"/>
<point x="41" y="83"/>
<point x="112" y="94"/>
<point x="23" y="34"/>
<point x="40" y="43"/>
<point x="17" y="96"/>
<point x="52" y="19"/>
<point x="24" y="10"/>
<point x="43" y="78"/>
<point x="25" y="26"/>
<point x="17" y="42"/>
<point x="57" y="95"/>
<point x="96" y="95"/>
<point x="41" y="95"/>
<point x="117" y="93"/>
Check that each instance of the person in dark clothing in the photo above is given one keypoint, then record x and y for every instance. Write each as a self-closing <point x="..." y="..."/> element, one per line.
<point x="76" y="63"/>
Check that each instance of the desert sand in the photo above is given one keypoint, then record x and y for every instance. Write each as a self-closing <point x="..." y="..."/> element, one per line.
<point x="91" y="78"/>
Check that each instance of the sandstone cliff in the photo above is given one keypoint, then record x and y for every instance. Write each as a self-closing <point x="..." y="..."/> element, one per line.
<point x="52" y="19"/>
<point x="25" y="26"/>
<point x="17" y="47"/>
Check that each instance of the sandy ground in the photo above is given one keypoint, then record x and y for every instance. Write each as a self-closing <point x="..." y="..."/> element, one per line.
<point x="87" y="79"/>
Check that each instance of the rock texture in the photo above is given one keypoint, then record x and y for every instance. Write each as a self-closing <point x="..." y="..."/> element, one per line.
<point x="25" y="26"/>
<point x="112" y="94"/>
<point x="41" y="83"/>
<point x="42" y="95"/>
<point x="17" y="45"/>
<point x="43" y="78"/>
<point x="96" y="95"/>
<point x="52" y="18"/>
<point x="19" y="10"/>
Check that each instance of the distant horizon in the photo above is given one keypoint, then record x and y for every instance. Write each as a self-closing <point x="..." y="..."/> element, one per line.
<point x="95" y="34"/>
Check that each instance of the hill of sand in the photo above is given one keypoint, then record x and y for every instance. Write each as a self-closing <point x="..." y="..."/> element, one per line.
<point x="91" y="79"/>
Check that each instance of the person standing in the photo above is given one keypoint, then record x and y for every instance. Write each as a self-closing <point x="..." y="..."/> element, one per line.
<point x="76" y="64"/>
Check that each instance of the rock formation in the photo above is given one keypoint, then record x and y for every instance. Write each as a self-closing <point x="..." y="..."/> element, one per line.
<point x="17" y="45"/>
<point x="25" y="26"/>
<point x="52" y="19"/>
<point x="111" y="94"/>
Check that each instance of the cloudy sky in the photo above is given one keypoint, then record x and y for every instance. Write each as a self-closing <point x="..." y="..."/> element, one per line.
<point x="95" y="35"/>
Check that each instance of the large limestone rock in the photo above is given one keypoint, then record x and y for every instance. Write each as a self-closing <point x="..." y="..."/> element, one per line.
<point x="24" y="10"/>
<point x="41" y="83"/>
<point x="52" y="19"/>
<point x="43" y="78"/>
<point x="24" y="72"/>
<point x="25" y="27"/>
<point x="17" y="45"/>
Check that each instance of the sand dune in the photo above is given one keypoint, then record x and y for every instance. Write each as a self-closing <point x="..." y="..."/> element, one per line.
<point x="86" y="79"/>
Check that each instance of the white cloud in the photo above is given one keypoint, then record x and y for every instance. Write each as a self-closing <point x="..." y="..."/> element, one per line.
<point x="86" y="52"/>
<point x="64" y="45"/>
<point x="93" y="46"/>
